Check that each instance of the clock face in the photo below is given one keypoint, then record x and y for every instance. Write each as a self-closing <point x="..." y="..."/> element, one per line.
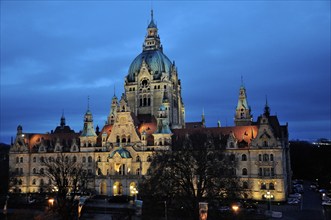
<point x="144" y="83"/>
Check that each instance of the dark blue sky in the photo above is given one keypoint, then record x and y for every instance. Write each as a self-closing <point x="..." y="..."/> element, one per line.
<point x="55" y="54"/>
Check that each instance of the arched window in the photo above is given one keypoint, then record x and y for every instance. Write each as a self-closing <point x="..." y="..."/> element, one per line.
<point x="263" y="186"/>
<point x="99" y="171"/>
<point x="34" y="171"/>
<point x="122" y="169"/>
<point x="271" y="186"/>
<point x="265" y="143"/>
<point x="138" y="171"/>
<point x="244" y="157"/>
<point x="137" y="159"/>
<point x="84" y="159"/>
<point x="34" y="182"/>
<point x="260" y="157"/>
<point x="271" y="157"/>
<point x="231" y="145"/>
<point x="21" y="160"/>
<point x="149" y="159"/>
<point x="244" y="171"/>
<point x="245" y="185"/>
<point x="66" y="159"/>
<point x="34" y="159"/>
<point x="99" y="159"/>
<point x="41" y="170"/>
<point x="265" y="157"/>
<point x="89" y="159"/>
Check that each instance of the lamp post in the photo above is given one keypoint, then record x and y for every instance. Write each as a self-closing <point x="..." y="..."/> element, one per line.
<point x="51" y="203"/>
<point x="269" y="196"/>
<point x="134" y="192"/>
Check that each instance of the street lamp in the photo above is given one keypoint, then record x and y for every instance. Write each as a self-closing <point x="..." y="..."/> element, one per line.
<point x="268" y="196"/>
<point x="235" y="208"/>
<point x="51" y="203"/>
<point x="134" y="192"/>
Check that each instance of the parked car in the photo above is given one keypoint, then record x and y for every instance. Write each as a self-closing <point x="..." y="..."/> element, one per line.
<point x="293" y="201"/>
<point x="328" y="203"/>
<point x="295" y="195"/>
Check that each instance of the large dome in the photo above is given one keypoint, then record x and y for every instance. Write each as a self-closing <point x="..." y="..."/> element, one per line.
<point x="155" y="59"/>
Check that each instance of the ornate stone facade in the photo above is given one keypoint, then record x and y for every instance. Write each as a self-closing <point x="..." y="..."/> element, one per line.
<point x="142" y="122"/>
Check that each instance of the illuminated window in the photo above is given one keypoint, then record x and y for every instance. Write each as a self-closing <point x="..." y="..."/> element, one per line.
<point x="263" y="186"/>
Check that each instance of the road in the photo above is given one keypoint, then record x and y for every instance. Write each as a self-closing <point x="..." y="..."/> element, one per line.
<point x="310" y="207"/>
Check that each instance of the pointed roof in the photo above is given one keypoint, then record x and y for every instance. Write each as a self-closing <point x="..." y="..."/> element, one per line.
<point x="151" y="23"/>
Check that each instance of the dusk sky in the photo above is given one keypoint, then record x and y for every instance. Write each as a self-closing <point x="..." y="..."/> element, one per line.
<point x="54" y="54"/>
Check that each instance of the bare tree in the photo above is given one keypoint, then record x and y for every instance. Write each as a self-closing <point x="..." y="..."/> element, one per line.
<point x="196" y="170"/>
<point x="66" y="177"/>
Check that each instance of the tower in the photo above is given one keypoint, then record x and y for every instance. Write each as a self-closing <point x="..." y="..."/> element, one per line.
<point x="243" y="111"/>
<point x="88" y="137"/>
<point x="113" y="110"/>
<point x="150" y="76"/>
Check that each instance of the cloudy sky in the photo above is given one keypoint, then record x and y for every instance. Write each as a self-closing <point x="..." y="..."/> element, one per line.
<point x="54" y="54"/>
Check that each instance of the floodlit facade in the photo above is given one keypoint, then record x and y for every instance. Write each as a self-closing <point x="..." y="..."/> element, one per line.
<point x="142" y="122"/>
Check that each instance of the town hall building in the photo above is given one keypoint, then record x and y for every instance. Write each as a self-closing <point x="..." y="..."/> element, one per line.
<point x="141" y="122"/>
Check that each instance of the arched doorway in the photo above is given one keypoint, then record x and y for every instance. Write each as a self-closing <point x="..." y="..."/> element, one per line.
<point x="117" y="189"/>
<point x="103" y="188"/>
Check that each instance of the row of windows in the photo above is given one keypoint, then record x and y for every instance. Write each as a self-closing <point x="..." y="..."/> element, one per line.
<point x="271" y="186"/>
<point x="266" y="171"/>
<point x="66" y="159"/>
<point x="155" y="87"/>
<point x="266" y="157"/>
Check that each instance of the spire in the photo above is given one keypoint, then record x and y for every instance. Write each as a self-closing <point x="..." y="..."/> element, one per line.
<point x="266" y="107"/>
<point x="63" y="120"/>
<point x="151" y="23"/>
<point x="203" y="120"/>
<point x="152" y="39"/>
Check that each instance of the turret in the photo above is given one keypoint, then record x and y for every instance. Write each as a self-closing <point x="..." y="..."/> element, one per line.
<point x="243" y="111"/>
<point x="88" y="137"/>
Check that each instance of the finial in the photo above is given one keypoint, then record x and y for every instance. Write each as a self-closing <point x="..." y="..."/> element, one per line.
<point x="266" y="107"/>
<point x="152" y="14"/>
<point x="88" y="103"/>
<point x="114" y="90"/>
